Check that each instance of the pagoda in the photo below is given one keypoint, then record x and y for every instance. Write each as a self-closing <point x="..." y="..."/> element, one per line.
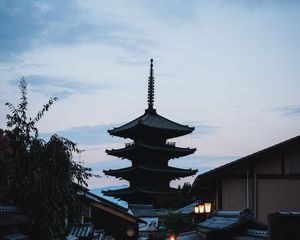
<point x="149" y="175"/>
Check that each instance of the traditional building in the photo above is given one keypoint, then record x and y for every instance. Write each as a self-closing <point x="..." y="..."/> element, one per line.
<point x="266" y="182"/>
<point x="149" y="176"/>
<point x="101" y="217"/>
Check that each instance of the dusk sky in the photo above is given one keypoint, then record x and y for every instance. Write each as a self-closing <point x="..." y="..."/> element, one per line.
<point x="229" y="68"/>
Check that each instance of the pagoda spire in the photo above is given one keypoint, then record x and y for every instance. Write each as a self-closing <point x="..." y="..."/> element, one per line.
<point x="149" y="175"/>
<point x="151" y="87"/>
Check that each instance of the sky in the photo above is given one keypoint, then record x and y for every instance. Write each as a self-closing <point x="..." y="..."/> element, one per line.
<point x="229" y="68"/>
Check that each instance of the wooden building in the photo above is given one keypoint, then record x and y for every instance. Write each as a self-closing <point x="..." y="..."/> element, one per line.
<point x="149" y="176"/>
<point x="15" y="223"/>
<point x="266" y="181"/>
<point x="109" y="217"/>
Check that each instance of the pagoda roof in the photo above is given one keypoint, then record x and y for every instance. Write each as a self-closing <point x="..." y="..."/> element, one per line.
<point x="132" y="150"/>
<point x="119" y="193"/>
<point x="175" y="172"/>
<point x="151" y="121"/>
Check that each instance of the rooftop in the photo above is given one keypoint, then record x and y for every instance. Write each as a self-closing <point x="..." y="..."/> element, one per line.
<point x="245" y="160"/>
<point x="154" y="121"/>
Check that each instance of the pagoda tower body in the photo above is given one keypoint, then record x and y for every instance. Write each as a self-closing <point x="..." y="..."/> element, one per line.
<point x="150" y="175"/>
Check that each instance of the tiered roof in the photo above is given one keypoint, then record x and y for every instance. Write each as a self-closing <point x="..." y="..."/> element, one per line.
<point x="152" y="123"/>
<point x="129" y="172"/>
<point x="126" y="192"/>
<point x="149" y="175"/>
<point x="167" y="151"/>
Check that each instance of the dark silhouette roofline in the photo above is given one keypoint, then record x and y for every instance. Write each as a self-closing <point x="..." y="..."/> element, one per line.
<point x="130" y="190"/>
<point x="245" y="160"/>
<point x="153" y="120"/>
<point x="96" y="199"/>
<point x="153" y="168"/>
<point x="165" y="148"/>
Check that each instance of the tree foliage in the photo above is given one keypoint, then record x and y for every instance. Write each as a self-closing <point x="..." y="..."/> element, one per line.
<point x="177" y="199"/>
<point x="179" y="223"/>
<point x="39" y="175"/>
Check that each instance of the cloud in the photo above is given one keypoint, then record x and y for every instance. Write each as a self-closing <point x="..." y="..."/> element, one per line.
<point x="202" y="162"/>
<point x="293" y="111"/>
<point x="97" y="134"/>
<point x="201" y="129"/>
<point x="114" y="163"/>
<point x="59" y="87"/>
<point x="37" y="24"/>
<point x="87" y="135"/>
<point x="34" y="23"/>
<point x="173" y="12"/>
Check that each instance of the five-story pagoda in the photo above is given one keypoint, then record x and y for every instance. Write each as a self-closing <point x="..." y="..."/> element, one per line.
<point x="149" y="176"/>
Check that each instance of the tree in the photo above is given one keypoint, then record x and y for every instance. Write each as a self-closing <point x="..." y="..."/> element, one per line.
<point x="179" y="223"/>
<point x="39" y="176"/>
<point x="177" y="199"/>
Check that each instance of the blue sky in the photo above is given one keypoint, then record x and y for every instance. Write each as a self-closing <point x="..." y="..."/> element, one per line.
<point x="229" y="68"/>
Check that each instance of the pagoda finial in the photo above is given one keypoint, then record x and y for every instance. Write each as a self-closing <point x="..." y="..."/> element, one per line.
<point x="151" y="86"/>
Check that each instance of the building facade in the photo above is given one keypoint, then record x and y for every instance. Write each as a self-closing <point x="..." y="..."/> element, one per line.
<point x="266" y="181"/>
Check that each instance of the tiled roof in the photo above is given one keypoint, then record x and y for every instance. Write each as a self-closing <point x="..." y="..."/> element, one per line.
<point x="177" y="172"/>
<point x="12" y="215"/>
<point x="130" y="190"/>
<point x="87" y="231"/>
<point x="102" y="201"/>
<point x="70" y="237"/>
<point x="211" y="174"/>
<point x="288" y="213"/>
<point x="222" y="220"/>
<point x="17" y="236"/>
<point x="142" y="210"/>
<point x="82" y="231"/>
<point x="9" y="209"/>
<point x="219" y="222"/>
<point x="193" y="235"/>
<point x="233" y="225"/>
<point x="135" y="148"/>
<point x="188" y="209"/>
<point x="153" y="120"/>
<point x="253" y="234"/>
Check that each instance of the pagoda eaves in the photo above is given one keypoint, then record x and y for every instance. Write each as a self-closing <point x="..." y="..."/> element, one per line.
<point x="134" y="150"/>
<point x="149" y="176"/>
<point x="130" y="172"/>
<point x="153" y="124"/>
<point x="139" y="194"/>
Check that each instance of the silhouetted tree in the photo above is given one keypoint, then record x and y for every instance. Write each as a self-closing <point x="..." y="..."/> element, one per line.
<point x="177" y="199"/>
<point x="178" y="223"/>
<point x="37" y="175"/>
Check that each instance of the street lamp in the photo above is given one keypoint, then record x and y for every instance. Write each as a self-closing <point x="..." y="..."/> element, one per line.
<point x="196" y="209"/>
<point x="207" y="207"/>
<point x="172" y="237"/>
<point x="130" y="232"/>
<point x="201" y="208"/>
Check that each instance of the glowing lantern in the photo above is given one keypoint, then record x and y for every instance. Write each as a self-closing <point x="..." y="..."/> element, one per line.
<point x="196" y="209"/>
<point x="130" y="232"/>
<point x="201" y="208"/>
<point x="207" y="207"/>
<point x="172" y="237"/>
